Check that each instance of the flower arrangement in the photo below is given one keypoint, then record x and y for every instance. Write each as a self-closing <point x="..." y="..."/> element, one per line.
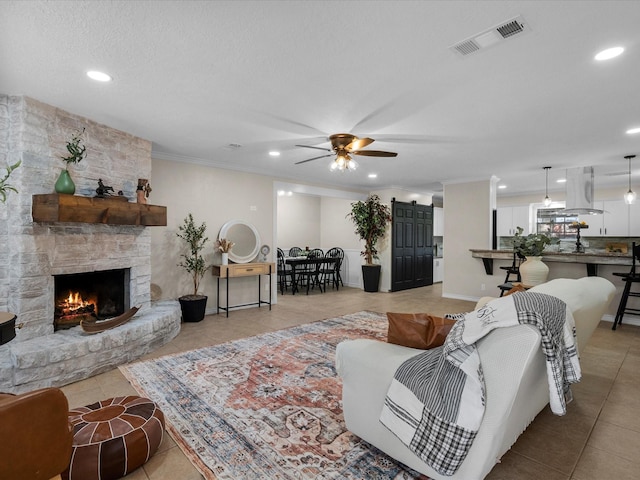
<point x="224" y="245"/>
<point x="531" y="245"/>
<point x="75" y="147"/>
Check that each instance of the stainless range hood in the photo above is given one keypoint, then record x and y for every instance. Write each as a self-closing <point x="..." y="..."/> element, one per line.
<point x="579" y="199"/>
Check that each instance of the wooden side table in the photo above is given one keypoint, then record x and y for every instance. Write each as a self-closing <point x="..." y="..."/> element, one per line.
<point x="235" y="270"/>
<point x="7" y="327"/>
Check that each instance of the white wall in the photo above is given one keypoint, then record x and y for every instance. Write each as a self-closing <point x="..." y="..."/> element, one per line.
<point x="213" y="196"/>
<point x="467" y="209"/>
<point x="298" y="221"/>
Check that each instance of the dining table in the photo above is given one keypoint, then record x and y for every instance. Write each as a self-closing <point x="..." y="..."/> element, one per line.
<point x="304" y="261"/>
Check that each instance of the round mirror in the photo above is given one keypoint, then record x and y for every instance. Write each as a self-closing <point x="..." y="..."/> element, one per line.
<point x="245" y="238"/>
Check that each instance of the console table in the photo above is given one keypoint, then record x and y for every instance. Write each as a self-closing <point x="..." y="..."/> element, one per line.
<point x="235" y="270"/>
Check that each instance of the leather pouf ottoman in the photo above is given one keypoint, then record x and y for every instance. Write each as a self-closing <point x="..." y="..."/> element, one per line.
<point x="113" y="437"/>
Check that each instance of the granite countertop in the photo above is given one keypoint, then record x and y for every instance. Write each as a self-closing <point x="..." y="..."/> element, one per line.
<point x="588" y="253"/>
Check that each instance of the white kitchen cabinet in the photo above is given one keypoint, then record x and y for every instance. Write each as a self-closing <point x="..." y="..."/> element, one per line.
<point x="614" y="222"/>
<point x="438" y="270"/>
<point x="438" y="222"/>
<point x="510" y="218"/>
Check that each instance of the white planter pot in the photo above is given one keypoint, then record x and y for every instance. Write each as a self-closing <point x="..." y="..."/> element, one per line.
<point x="533" y="271"/>
<point x="225" y="258"/>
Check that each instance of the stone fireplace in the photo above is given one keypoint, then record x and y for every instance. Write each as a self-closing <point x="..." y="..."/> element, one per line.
<point x="89" y="296"/>
<point x="39" y="255"/>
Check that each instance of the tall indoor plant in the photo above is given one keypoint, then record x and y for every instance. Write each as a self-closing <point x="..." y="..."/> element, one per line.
<point x="371" y="218"/>
<point x="533" y="270"/>
<point x="76" y="152"/>
<point x="193" y="305"/>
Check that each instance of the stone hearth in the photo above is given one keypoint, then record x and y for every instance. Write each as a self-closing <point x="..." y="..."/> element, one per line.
<point x="36" y="133"/>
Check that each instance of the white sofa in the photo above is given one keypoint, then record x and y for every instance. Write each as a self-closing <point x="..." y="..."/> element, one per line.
<point x="514" y="371"/>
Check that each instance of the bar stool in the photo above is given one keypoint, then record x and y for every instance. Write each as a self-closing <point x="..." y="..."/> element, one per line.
<point x="629" y="278"/>
<point x="513" y="269"/>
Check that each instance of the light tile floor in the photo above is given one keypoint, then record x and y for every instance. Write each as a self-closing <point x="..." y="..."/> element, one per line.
<point x="599" y="438"/>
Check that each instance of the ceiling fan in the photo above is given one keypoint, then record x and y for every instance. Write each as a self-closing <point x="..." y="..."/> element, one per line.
<point x="343" y="145"/>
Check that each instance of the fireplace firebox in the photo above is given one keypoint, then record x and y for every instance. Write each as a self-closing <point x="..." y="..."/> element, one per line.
<point x="91" y="295"/>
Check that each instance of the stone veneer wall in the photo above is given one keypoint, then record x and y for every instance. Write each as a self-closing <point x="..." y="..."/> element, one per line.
<point x="32" y="253"/>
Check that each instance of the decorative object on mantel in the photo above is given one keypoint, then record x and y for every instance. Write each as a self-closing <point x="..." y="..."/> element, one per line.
<point x="532" y="271"/>
<point x="77" y="151"/>
<point x="4" y="186"/>
<point x="224" y="246"/>
<point x="143" y="190"/>
<point x="97" y="326"/>
<point x="103" y="190"/>
<point x="194" y="305"/>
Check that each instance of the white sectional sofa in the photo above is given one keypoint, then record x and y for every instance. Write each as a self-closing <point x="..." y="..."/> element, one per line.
<point x="515" y="378"/>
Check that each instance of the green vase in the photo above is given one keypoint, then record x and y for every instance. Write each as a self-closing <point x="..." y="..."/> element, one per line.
<point x="64" y="184"/>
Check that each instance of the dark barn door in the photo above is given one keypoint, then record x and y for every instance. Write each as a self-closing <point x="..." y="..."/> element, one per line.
<point x="411" y="246"/>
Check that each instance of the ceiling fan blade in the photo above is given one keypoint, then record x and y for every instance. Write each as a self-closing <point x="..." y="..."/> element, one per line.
<point x="359" y="143"/>
<point x="374" y="153"/>
<point x="316" y="148"/>
<point x="314" y="158"/>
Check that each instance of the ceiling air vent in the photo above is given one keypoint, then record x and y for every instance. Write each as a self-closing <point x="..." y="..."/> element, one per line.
<point x="490" y="37"/>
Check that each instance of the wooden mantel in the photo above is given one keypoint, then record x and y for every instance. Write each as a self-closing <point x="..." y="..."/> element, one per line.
<point x="112" y="211"/>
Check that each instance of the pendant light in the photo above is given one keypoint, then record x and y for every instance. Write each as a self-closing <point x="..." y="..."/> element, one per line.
<point x="547" y="200"/>
<point x="630" y="196"/>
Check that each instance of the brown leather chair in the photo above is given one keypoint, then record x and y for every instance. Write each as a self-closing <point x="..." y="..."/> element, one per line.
<point x="36" y="434"/>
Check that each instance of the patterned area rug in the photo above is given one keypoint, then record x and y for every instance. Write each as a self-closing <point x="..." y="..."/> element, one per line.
<point x="267" y="407"/>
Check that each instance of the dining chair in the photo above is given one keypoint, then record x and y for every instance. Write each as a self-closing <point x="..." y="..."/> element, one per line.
<point x="285" y="275"/>
<point x="330" y="271"/>
<point x="309" y="273"/>
<point x="295" y="251"/>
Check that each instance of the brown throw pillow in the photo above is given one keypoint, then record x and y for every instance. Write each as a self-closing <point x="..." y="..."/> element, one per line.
<point x="418" y="330"/>
<point x="516" y="288"/>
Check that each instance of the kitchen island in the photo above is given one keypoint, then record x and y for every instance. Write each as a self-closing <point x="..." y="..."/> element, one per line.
<point x="590" y="259"/>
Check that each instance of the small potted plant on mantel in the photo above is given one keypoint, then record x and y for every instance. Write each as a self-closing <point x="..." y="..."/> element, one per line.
<point x="194" y="305"/>
<point x="77" y="151"/>
<point x="371" y="218"/>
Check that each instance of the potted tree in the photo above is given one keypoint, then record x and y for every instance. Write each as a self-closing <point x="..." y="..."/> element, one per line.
<point x="371" y="218"/>
<point x="193" y="306"/>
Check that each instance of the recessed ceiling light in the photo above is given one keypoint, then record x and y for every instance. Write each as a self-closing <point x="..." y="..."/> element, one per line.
<point x="99" y="76"/>
<point x="609" y="53"/>
<point x="273" y="153"/>
<point x="502" y="187"/>
<point x="631" y="131"/>
<point x="373" y="175"/>
<point x="561" y="180"/>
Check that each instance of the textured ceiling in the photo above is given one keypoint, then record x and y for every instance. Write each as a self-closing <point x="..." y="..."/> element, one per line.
<point x="195" y="77"/>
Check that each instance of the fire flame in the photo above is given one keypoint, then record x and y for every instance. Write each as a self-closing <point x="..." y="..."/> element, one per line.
<point x="73" y="303"/>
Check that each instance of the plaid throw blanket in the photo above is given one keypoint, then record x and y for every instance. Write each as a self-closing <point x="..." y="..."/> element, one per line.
<point x="436" y="400"/>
